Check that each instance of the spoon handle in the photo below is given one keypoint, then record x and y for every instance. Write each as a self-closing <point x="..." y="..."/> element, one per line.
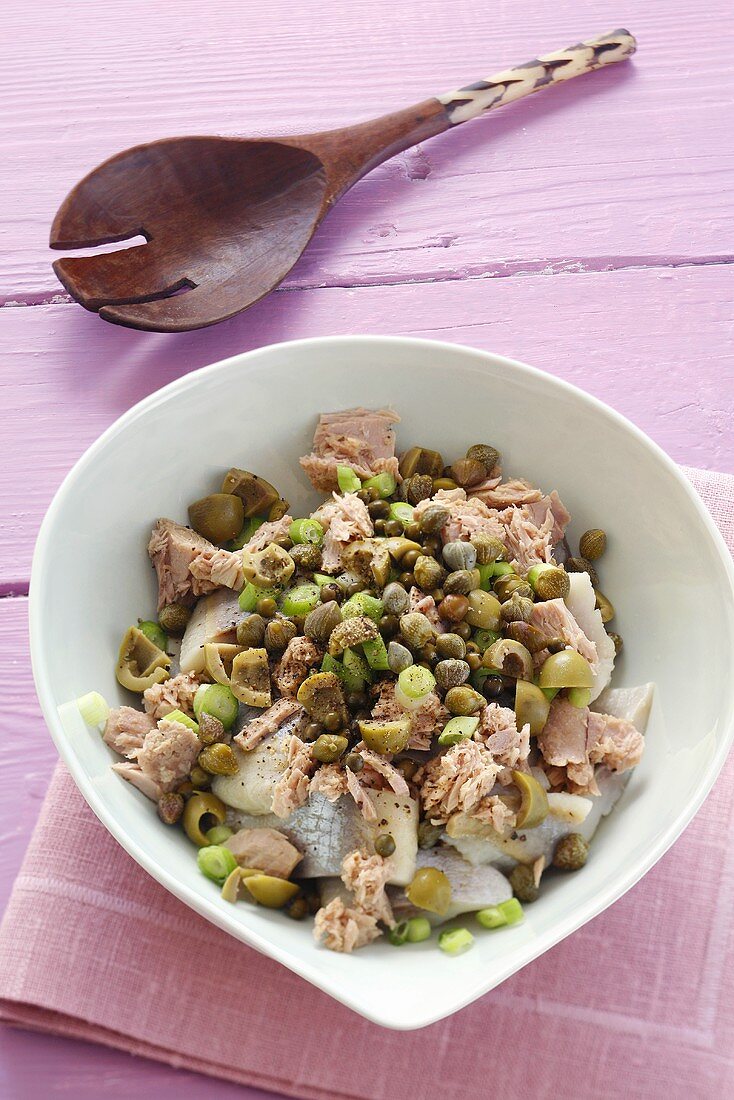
<point x="485" y="95"/>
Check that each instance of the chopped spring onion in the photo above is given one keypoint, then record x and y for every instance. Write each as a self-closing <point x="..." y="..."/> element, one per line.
<point x="351" y="681"/>
<point x="218" y="834"/>
<point x="306" y="530"/>
<point x="486" y="576"/>
<point x="485" y="638"/>
<point x="182" y="719"/>
<point x="154" y="632"/>
<point x="385" y="484"/>
<point x="501" y="916"/>
<point x="399" y="934"/>
<point x="402" y="512"/>
<point x="376" y="653"/>
<point x="93" y="708"/>
<point x="347" y="479"/>
<point x="216" y="862"/>
<point x="501" y="569"/>
<point x="301" y="599"/>
<point x="579" y="697"/>
<point x="458" y="729"/>
<point x="419" y="929"/>
<point x="251" y="525"/>
<point x="362" y="603"/>
<point x="356" y="664"/>
<point x="455" y="941"/>
<point x="250" y="594"/>
<point x="217" y="700"/>
<point x="416" y="681"/>
<point x="321" y="579"/>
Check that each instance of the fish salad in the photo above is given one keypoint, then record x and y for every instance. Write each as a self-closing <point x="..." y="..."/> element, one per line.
<point x="388" y="713"/>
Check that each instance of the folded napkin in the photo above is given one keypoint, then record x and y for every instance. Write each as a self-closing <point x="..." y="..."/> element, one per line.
<point x="638" y="1003"/>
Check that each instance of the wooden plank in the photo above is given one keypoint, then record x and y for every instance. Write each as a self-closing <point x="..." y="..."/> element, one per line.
<point x="629" y="165"/>
<point x="654" y="344"/>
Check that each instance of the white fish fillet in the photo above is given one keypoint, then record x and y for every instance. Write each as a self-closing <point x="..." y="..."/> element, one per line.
<point x="580" y="602"/>
<point x="632" y="703"/>
<point x="214" y="619"/>
<point x="472" y="887"/>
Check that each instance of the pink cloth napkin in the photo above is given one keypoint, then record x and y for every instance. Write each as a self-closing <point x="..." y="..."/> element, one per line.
<point x="638" y="1003"/>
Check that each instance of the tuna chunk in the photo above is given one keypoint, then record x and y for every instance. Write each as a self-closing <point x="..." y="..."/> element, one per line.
<point x="133" y="774"/>
<point x="467" y="517"/>
<point x="265" y="849"/>
<point x="169" y="753"/>
<point x="125" y="730"/>
<point x="366" y="877"/>
<point x="174" y="694"/>
<point x="359" y="438"/>
<point x="499" y="494"/>
<point x="300" y="656"/>
<point x="291" y="790"/>
<point x="563" y="739"/>
<point x="188" y="565"/>
<point x="269" y="532"/>
<point x="554" y="620"/>
<point x="529" y="541"/>
<point x="576" y="739"/>
<point x="345" y="519"/>
<point x="340" y="928"/>
<point x="430" y="717"/>
<point x="330" y="781"/>
<point x="267" y="722"/>
<point x="614" y="742"/>
<point x="499" y="733"/>
<point x="457" y="781"/>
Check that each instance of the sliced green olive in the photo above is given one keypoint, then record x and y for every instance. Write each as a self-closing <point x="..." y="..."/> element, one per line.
<point x="534" y="801"/>
<point x="201" y="813"/>
<point x="531" y="707"/>
<point x="604" y="606"/>
<point x="218" y="517"/>
<point x="484" y="610"/>
<point x="250" y="677"/>
<point x="397" y="547"/>
<point x="321" y="695"/>
<point x="271" y="892"/>
<point x="267" y="567"/>
<point x="567" y="669"/>
<point x="385" y="737"/>
<point x="420" y="460"/>
<point x="431" y="890"/>
<point x="233" y="881"/>
<point x="140" y="663"/>
<point x="510" y="658"/>
<point x="218" y="659"/>
<point x="257" y="495"/>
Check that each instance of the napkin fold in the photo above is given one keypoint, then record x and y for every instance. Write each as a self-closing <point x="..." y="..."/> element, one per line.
<point x="638" y="1003"/>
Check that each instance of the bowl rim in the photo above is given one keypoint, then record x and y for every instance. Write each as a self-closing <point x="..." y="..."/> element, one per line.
<point x="214" y="913"/>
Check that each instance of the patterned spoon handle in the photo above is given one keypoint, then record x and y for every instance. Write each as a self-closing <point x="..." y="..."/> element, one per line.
<point x="485" y="95"/>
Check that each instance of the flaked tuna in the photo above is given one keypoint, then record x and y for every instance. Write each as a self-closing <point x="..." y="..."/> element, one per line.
<point x="188" y="565"/>
<point x="554" y="620"/>
<point x="366" y="877"/>
<point x="457" y="781"/>
<point x="428" y="719"/>
<point x="266" y="849"/>
<point x="341" y="928"/>
<point x="174" y="694"/>
<point x="345" y="519"/>
<point x="169" y="753"/>
<point x="496" y="493"/>
<point x="300" y="656"/>
<point x="359" y="438"/>
<point x="138" y="779"/>
<point x="291" y="790"/>
<point x="467" y="516"/>
<point x="126" y="729"/>
<point x="499" y="733"/>
<point x="268" y="532"/>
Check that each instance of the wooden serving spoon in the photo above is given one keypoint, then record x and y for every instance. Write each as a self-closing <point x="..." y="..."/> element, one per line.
<point x="227" y="218"/>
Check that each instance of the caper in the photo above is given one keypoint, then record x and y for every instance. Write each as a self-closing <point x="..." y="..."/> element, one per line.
<point x="432" y="545"/>
<point x="271" y="892"/>
<point x="460" y="555"/>
<point x="322" y="620"/>
<point x="592" y="544"/>
<point x="451" y="646"/>
<point x="395" y="599"/>
<point x="434" y="517"/>
<point x="355" y="762"/>
<point x="410" y="558"/>
<point x="174" y="618"/>
<point x="399" y="657"/>
<point x="357" y="700"/>
<point x="552" y="584"/>
<point x="510" y="658"/>
<point x="266" y="607"/>
<point x="571" y="852"/>
<point x="618" y="643"/>
<point x="445" y="483"/>
<point x="506" y="586"/>
<point x="581" y="565"/>
<point x="298" y="908"/>
<point x="474" y="661"/>
<point x="218" y="517"/>
<point x="211" y="730"/>
<point x="417" y="488"/>
<point x="451" y="673"/>
<point x="312" y="731"/>
<point x="278" y="633"/>
<point x="332" y="721"/>
<point x="385" y="845"/>
<point x="533" y="639"/>
<point x="484" y="610"/>
<point x="389" y="625"/>
<point x="416" y="629"/>
<point x="170" y="807"/>
<point x="251" y="631"/>
<point x="419" y="460"/>
<point x="428" y="572"/>
<point x="393" y="527"/>
<point x="202" y="811"/>
<point x="517" y="609"/>
<point x="468" y="472"/>
<point x="218" y="759"/>
<point x="553" y="645"/>
<point x="430" y="889"/>
<point x="378" y="509"/>
<point x="605" y="607"/>
<point x="379" y="525"/>
<point x="492" y="687"/>
<point x="407" y="579"/>
<point x="306" y="556"/>
<point x="412" y="531"/>
<point x="489" y="548"/>
<point x="522" y="881"/>
<point x="331" y="592"/>
<point x="200" y="779"/>
<point x="462" y="629"/>
<point x="463" y="700"/>
<point x="429" y="835"/>
<point x="329" y="747"/>
<point x="482" y="452"/>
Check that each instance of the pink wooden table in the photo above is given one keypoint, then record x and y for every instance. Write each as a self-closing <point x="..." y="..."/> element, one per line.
<point x="587" y="232"/>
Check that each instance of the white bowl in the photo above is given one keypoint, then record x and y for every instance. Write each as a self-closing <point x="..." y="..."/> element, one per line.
<point x="667" y="571"/>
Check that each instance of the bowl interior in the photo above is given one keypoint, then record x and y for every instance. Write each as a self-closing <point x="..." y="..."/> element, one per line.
<point x="666" y="571"/>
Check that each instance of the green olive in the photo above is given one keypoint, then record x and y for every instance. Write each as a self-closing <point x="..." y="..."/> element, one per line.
<point x="485" y="610"/>
<point x="218" y="517"/>
<point x="431" y="890"/>
<point x="531" y="707"/>
<point x="321" y="694"/>
<point x="397" y="547"/>
<point x="445" y="483"/>
<point x="567" y="669"/>
<point x="384" y="737"/>
<point x="140" y="663"/>
<point x="510" y="658"/>
<point x="419" y="460"/>
<point x="268" y="567"/>
<point x="201" y="812"/>
<point x="250" y="677"/>
<point x="464" y="700"/>
<point x="274" y="893"/>
<point x="233" y="881"/>
<point x="218" y="660"/>
<point x="258" y="495"/>
<point x="328" y="747"/>
<point x="534" y="801"/>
